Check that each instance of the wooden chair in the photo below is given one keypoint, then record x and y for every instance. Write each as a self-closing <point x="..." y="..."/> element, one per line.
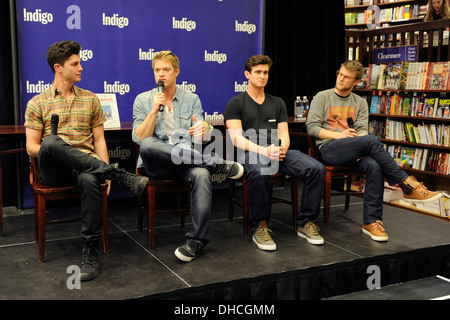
<point x="155" y="187"/>
<point x="44" y="193"/>
<point x="245" y="203"/>
<point x="333" y="171"/>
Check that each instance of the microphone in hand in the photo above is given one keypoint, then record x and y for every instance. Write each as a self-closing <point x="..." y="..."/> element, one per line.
<point x="161" y="89"/>
<point x="350" y="123"/>
<point x="54" y="123"/>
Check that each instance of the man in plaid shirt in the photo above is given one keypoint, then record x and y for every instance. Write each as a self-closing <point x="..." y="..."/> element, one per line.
<point x="78" y="154"/>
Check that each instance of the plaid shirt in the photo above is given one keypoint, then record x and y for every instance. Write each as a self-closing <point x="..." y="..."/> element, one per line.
<point x="76" y="118"/>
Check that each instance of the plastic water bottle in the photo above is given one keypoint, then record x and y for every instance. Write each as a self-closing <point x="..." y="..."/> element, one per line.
<point x="305" y="106"/>
<point x="298" y="108"/>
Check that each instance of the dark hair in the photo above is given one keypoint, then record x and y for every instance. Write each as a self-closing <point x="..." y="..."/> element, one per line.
<point x="257" y="60"/>
<point x="59" y="52"/>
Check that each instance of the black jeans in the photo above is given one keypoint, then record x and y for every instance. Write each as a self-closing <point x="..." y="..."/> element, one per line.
<point x="62" y="165"/>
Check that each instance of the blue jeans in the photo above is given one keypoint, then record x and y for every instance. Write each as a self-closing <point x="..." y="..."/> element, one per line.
<point x="62" y="165"/>
<point x="158" y="158"/>
<point x="376" y="163"/>
<point x="296" y="164"/>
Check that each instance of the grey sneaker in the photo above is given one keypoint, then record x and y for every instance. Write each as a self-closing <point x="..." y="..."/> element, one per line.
<point x="188" y="251"/>
<point x="231" y="169"/>
<point x="310" y="232"/>
<point x="263" y="240"/>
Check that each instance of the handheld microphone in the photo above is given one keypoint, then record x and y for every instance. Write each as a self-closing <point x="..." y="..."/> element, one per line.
<point x="54" y="123"/>
<point x="161" y="89"/>
<point x="350" y="123"/>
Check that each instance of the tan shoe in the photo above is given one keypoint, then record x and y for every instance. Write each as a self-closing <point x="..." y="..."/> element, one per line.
<point x="419" y="193"/>
<point x="310" y="232"/>
<point x="375" y="231"/>
<point x="262" y="238"/>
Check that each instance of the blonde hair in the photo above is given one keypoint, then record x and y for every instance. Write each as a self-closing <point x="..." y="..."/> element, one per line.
<point x="445" y="11"/>
<point x="166" y="55"/>
<point x="354" y="65"/>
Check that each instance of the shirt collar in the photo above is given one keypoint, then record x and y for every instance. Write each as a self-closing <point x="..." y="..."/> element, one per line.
<point x="55" y="91"/>
<point x="177" y="94"/>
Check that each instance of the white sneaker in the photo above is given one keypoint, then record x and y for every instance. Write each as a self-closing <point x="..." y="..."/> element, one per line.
<point x="310" y="232"/>
<point x="263" y="240"/>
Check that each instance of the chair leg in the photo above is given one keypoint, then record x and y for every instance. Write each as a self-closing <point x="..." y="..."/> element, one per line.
<point x="140" y="212"/>
<point x="347" y="189"/>
<point x="246" y="206"/>
<point x="188" y="198"/>
<point x="231" y="187"/>
<point x="36" y="217"/>
<point x="179" y="207"/>
<point x="327" y="197"/>
<point x="294" y="200"/>
<point x="151" y="215"/>
<point x="41" y="226"/>
<point x="105" y="222"/>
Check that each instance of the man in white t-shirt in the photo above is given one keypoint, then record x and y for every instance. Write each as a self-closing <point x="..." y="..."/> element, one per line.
<point x="164" y="125"/>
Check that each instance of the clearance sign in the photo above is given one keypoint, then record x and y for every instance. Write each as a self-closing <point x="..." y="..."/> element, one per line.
<point x="395" y="54"/>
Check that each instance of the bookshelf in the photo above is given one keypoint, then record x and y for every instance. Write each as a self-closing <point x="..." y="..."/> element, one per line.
<point x="412" y="119"/>
<point x="410" y="112"/>
<point x="391" y="12"/>
<point x="431" y="39"/>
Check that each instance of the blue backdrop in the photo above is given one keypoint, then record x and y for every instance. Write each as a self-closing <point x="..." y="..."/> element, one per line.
<point x="212" y="38"/>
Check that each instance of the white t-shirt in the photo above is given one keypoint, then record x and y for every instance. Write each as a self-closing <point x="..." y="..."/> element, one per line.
<point x="169" y="122"/>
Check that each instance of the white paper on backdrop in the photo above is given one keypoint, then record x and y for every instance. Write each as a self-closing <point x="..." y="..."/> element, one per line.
<point x="110" y="110"/>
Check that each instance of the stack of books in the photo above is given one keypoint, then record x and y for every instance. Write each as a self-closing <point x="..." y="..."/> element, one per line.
<point x="439" y="207"/>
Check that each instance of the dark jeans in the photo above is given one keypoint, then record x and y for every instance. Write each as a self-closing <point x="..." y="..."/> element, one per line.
<point x="159" y="160"/>
<point x="296" y="164"/>
<point x="376" y="163"/>
<point x="62" y="165"/>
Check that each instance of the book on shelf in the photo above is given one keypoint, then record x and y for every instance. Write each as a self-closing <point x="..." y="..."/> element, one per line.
<point x="443" y="109"/>
<point x="392" y="75"/>
<point x="439" y="207"/>
<point x="431" y="106"/>
<point x="406" y="104"/>
<point x="403" y="74"/>
<point x="407" y="75"/>
<point x="438" y="76"/>
<point x="407" y="157"/>
<point x="362" y="84"/>
<point x="420" y="159"/>
<point x="420" y="133"/>
<point x="392" y="193"/>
